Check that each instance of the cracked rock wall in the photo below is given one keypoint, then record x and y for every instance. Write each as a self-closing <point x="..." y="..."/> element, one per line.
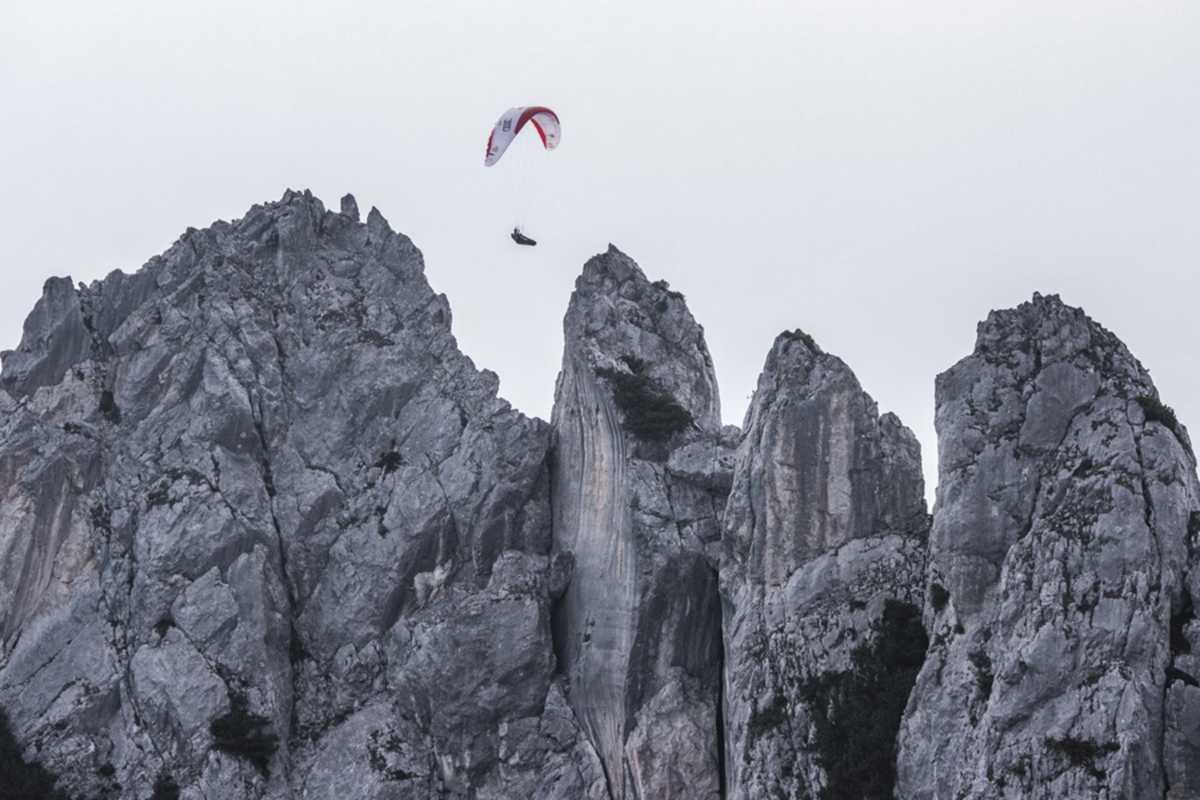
<point x="1062" y="560"/>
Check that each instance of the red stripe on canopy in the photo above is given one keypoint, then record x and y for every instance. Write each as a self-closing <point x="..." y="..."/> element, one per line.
<point x="529" y="114"/>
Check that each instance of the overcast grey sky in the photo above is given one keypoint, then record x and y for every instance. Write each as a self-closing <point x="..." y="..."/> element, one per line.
<point x="880" y="174"/>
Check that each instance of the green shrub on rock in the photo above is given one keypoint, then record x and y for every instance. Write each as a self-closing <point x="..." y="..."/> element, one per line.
<point x="650" y="412"/>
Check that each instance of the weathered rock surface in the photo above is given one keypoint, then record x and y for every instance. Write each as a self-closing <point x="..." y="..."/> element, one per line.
<point x="1063" y="661"/>
<point x="265" y="532"/>
<point x="822" y="576"/>
<point x="641" y="468"/>
<point x="256" y="484"/>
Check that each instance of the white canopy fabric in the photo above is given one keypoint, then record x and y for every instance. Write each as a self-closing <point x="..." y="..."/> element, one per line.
<point x="510" y="124"/>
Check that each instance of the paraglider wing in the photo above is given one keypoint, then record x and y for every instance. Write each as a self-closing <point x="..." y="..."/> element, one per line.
<point x="510" y="124"/>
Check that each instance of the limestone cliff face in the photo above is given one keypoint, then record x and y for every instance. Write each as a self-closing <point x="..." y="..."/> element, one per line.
<point x="822" y="576"/>
<point x="268" y="533"/>
<point x="1062" y="572"/>
<point x="265" y="532"/>
<point x="640" y="473"/>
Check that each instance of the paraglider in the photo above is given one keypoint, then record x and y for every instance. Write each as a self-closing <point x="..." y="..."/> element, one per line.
<point x="521" y="238"/>
<point x="506" y="129"/>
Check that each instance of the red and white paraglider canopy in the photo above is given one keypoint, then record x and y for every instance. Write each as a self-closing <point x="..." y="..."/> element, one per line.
<point x="508" y="126"/>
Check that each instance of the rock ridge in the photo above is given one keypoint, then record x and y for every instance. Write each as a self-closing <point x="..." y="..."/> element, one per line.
<point x="267" y="532"/>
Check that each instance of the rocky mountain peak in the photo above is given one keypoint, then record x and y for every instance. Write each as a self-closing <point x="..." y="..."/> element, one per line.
<point x="640" y="471"/>
<point x="349" y="207"/>
<point x="822" y="576"/>
<point x="267" y="533"/>
<point x="1061" y="551"/>
<point x="619" y="320"/>
<point x="272" y="517"/>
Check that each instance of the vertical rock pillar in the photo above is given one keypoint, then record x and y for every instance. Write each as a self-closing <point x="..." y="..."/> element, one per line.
<point x="639" y="479"/>
<point x="821" y="577"/>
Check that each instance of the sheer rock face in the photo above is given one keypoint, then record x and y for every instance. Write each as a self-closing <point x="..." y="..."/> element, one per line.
<point x="822" y="570"/>
<point x="259" y="476"/>
<point x="1063" y="660"/>
<point x="641" y="469"/>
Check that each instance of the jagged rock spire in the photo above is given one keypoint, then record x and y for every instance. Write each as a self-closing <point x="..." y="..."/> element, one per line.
<point x="821" y="575"/>
<point x="638" y="459"/>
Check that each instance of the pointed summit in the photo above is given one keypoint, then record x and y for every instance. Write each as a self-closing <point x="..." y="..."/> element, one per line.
<point x="637" y="498"/>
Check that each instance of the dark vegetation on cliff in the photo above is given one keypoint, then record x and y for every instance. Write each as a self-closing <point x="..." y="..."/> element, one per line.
<point x="1181" y="617"/>
<point x="938" y="596"/>
<point x="1083" y="753"/>
<point x="245" y="735"/>
<point x="1158" y="411"/>
<point x="856" y="713"/>
<point x="20" y="780"/>
<point x="798" y="335"/>
<point x="165" y="788"/>
<point x="650" y="412"/>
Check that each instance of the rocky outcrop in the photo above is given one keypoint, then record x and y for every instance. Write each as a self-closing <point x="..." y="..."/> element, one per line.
<point x="641" y="468"/>
<point x="265" y="532"/>
<point x="1062" y="571"/>
<point x="822" y="577"/>
<point x="268" y="533"/>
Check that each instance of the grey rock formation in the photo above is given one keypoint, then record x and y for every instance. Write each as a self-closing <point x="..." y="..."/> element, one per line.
<point x="641" y="468"/>
<point x="822" y="576"/>
<point x="1062" y="570"/>
<point x="268" y="532"/>
<point x="265" y="532"/>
